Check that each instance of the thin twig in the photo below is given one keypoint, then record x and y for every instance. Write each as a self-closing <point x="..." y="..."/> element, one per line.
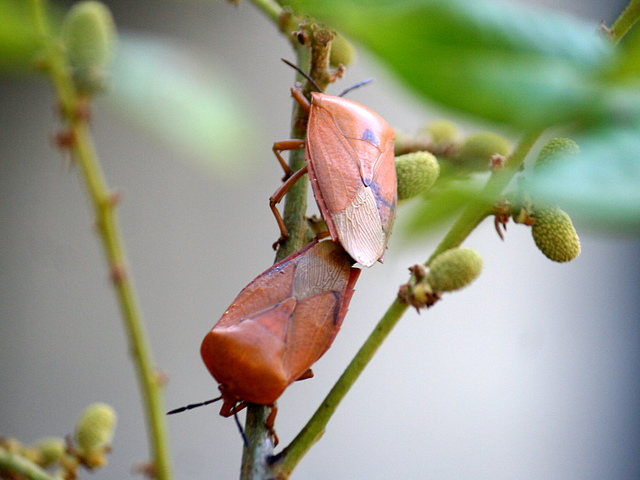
<point x="625" y="21"/>
<point x="103" y="202"/>
<point x="16" y="466"/>
<point x="256" y="463"/>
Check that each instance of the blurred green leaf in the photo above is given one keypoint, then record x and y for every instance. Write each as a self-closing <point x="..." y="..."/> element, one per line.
<point x="174" y="95"/>
<point x="500" y="61"/>
<point x="600" y="185"/>
<point x="18" y="39"/>
<point x="440" y="205"/>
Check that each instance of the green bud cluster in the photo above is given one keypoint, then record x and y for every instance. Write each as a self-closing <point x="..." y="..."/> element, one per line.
<point x="554" y="234"/>
<point x="556" y="150"/>
<point x="449" y="271"/>
<point x="94" y="431"/>
<point x="51" y="451"/>
<point x="342" y="52"/>
<point x="454" y="269"/>
<point x="416" y="173"/>
<point x="89" y="36"/>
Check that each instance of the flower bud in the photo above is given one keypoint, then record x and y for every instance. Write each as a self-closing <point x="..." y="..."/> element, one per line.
<point x="555" y="150"/>
<point x="89" y="35"/>
<point x="51" y="450"/>
<point x="342" y="52"/>
<point x="454" y="269"/>
<point x="94" y="432"/>
<point x="554" y="234"/>
<point x="416" y="172"/>
<point x="478" y="149"/>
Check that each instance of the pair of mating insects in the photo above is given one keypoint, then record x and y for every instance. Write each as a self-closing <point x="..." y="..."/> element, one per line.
<point x="284" y="320"/>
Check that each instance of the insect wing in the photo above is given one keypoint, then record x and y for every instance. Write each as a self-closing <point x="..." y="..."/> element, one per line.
<point x="323" y="287"/>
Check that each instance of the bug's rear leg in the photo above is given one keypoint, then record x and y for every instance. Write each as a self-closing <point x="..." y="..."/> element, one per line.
<point x="277" y="197"/>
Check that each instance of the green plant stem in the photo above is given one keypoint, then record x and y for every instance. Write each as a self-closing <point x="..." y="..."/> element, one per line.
<point x="477" y="210"/>
<point x="256" y="460"/>
<point x="295" y="202"/>
<point x="625" y="21"/>
<point x="16" y="465"/>
<point x="103" y="202"/>
<point x="270" y="8"/>
<point x="466" y="223"/>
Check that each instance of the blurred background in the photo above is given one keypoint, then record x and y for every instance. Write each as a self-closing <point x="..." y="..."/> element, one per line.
<point x="529" y="373"/>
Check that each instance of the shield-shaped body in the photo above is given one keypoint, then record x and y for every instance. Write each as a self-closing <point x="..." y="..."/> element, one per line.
<point x="351" y="164"/>
<point x="280" y="324"/>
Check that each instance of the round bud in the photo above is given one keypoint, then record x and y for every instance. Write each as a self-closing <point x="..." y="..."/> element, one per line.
<point x="442" y="131"/>
<point x="51" y="450"/>
<point x="94" y="432"/>
<point x="89" y="35"/>
<point x="555" y="150"/>
<point x="554" y="234"/>
<point x="416" y="172"/>
<point x="454" y="269"/>
<point x="478" y="149"/>
<point x="342" y="52"/>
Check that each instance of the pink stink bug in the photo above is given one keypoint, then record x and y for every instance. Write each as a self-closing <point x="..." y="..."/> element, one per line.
<point x="279" y="326"/>
<point x="351" y="165"/>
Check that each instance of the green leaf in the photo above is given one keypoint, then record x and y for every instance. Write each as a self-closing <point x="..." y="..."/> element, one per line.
<point x="18" y="39"/>
<point x="601" y="185"/>
<point x="169" y="91"/>
<point x="496" y="60"/>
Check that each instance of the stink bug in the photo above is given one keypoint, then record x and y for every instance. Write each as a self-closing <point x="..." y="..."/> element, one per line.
<point x="350" y="160"/>
<point x="279" y="325"/>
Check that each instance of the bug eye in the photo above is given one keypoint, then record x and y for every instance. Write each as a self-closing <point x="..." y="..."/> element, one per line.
<point x="370" y="136"/>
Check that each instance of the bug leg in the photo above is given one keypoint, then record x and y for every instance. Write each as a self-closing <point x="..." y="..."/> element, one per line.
<point x="270" y="422"/>
<point x="277" y="197"/>
<point x="299" y="97"/>
<point x="279" y="147"/>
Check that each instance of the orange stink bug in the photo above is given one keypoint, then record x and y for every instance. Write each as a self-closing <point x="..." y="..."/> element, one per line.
<point x="350" y="160"/>
<point x="279" y="325"/>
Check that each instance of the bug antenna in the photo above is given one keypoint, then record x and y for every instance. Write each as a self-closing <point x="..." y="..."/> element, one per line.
<point x="357" y="85"/>
<point x="193" y="405"/>
<point x="240" y="429"/>
<point x="303" y="73"/>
